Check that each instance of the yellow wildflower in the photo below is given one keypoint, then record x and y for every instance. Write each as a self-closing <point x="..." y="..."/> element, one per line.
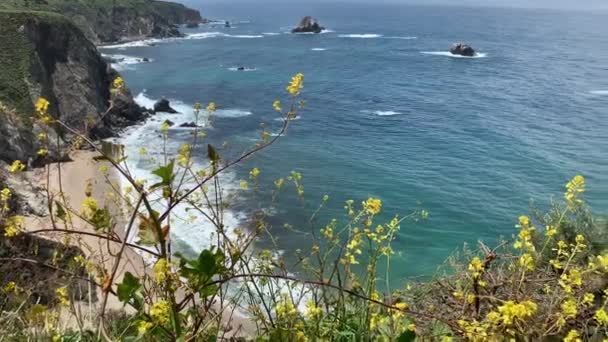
<point x="526" y="261"/>
<point x="254" y="173"/>
<point x="211" y="107"/>
<point x="476" y="267"/>
<point x="550" y="231"/>
<point x="118" y="84"/>
<point x="43" y="152"/>
<point x="5" y="195"/>
<point x="42" y="105"/>
<point x="12" y="226"/>
<point x="296" y="84"/>
<point x="312" y="310"/>
<point x="588" y="298"/>
<point x="510" y="311"/>
<point x="372" y="206"/>
<point x="10" y="287"/>
<point x="161" y="312"/>
<point x="42" y="137"/>
<point x="16" y="166"/>
<point x="574" y="189"/>
<point x="411" y="327"/>
<point x="244" y="185"/>
<point x="285" y="308"/>
<point x="89" y="206"/>
<point x="601" y="317"/>
<point x="62" y="296"/>
<point x="573" y="336"/>
<point x="277" y="105"/>
<point x="569" y="308"/>
<point x="143" y="327"/>
<point x="162" y="270"/>
<point x="279" y="183"/>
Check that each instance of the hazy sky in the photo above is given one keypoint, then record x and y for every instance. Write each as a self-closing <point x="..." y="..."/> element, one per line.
<point x="558" y="4"/>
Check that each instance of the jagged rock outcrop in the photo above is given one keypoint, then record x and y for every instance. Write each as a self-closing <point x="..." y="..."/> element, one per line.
<point x="164" y="106"/>
<point x="308" y="25"/>
<point x="51" y="58"/>
<point x="462" y="50"/>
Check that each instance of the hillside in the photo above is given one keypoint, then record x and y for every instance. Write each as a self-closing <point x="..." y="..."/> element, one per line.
<point x="50" y="57"/>
<point x="108" y="21"/>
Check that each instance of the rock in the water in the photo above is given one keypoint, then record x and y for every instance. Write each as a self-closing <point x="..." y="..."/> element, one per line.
<point x="227" y="24"/>
<point x="462" y="50"/>
<point x="146" y="59"/>
<point x="308" y="25"/>
<point x="189" y="125"/>
<point x="164" y="106"/>
<point x="192" y="24"/>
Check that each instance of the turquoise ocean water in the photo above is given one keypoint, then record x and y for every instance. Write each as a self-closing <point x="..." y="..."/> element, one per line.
<point x="391" y="115"/>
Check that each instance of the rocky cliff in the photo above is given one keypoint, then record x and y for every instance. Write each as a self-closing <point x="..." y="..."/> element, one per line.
<point x="114" y="20"/>
<point x="48" y="56"/>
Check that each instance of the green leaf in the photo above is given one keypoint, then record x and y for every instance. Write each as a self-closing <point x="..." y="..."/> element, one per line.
<point x="407" y="336"/>
<point x="201" y="270"/>
<point x="165" y="173"/>
<point x="213" y="155"/>
<point x="128" y="288"/>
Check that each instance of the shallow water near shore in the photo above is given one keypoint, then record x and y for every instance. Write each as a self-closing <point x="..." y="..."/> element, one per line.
<point x="471" y="140"/>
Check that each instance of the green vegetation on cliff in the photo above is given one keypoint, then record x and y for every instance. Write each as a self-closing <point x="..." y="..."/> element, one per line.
<point x="111" y="20"/>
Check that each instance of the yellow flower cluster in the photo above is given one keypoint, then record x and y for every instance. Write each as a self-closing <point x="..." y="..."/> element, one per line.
<point x="244" y="185"/>
<point x="211" y="107"/>
<point x="312" y="310"/>
<point x="276" y="105"/>
<point x="5" y="196"/>
<point x="42" y="107"/>
<point x="10" y="287"/>
<point x="143" y="327"/>
<point x="118" y="85"/>
<point x="296" y="84"/>
<point x="476" y="267"/>
<point x="254" y="173"/>
<point x="183" y="155"/>
<point x="12" y="226"/>
<point x="62" y="296"/>
<point x="16" y="166"/>
<point x="573" y="336"/>
<point x="574" y="189"/>
<point x="89" y="206"/>
<point x="526" y="232"/>
<point x="372" y="206"/>
<point x="285" y="308"/>
<point x="161" y="312"/>
<point x="162" y="270"/>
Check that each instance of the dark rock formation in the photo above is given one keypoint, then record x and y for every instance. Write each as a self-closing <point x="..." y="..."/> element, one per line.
<point x="51" y="58"/>
<point x="163" y="106"/>
<point x="227" y="24"/>
<point x="462" y="50"/>
<point x="189" y="125"/>
<point x="146" y="60"/>
<point x="191" y="24"/>
<point x="308" y="25"/>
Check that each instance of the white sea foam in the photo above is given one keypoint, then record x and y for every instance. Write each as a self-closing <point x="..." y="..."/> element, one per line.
<point x="361" y="35"/>
<point x="449" y="54"/>
<point x="123" y="62"/>
<point x="231" y="113"/>
<point x="382" y="112"/>
<point x="599" y="92"/>
<point x="292" y="119"/>
<point x="136" y="43"/>
<point x="197" y="233"/>
<point x="306" y="33"/>
<point x="271" y="33"/>
<point x="404" y="38"/>
<point x="192" y="36"/>
<point x="318" y="49"/>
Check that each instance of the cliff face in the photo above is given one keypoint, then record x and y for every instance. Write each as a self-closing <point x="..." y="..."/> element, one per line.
<point x="47" y="56"/>
<point x="108" y="21"/>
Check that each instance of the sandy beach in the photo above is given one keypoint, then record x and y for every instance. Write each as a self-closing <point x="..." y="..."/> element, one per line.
<point x="72" y="179"/>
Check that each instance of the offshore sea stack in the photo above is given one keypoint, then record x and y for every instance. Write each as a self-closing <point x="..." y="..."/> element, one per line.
<point x="462" y="50"/>
<point x="308" y="25"/>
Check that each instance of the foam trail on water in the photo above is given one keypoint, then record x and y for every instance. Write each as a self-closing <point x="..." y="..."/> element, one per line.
<point x="361" y="35"/>
<point x="599" y="92"/>
<point x="404" y="38"/>
<point x="449" y="54"/>
<point x="318" y="49"/>
<point x="271" y="33"/>
<point x="382" y="112"/>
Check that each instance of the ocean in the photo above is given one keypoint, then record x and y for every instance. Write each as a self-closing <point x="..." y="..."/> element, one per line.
<point x="389" y="114"/>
